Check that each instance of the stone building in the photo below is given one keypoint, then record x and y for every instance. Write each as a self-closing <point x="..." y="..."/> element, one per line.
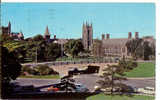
<point x="14" y="35"/>
<point x="6" y="30"/>
<point x="116" y="46"/>
<point x="87" y="36"/>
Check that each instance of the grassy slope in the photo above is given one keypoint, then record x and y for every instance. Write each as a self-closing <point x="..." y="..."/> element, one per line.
<point x="143" y="70"/>
<point x="117" y="97"/>
<point x="42" y="77"/>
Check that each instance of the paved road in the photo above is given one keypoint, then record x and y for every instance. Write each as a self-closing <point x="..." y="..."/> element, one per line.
<point x="88" y="80"/>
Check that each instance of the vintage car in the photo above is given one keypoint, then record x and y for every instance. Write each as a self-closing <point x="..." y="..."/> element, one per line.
<point x="89" y="70"/>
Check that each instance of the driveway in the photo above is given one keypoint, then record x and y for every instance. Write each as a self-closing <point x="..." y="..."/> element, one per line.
<point x="88" y="80"/>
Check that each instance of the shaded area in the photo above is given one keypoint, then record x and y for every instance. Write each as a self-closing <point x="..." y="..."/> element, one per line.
<point x="118" y="97"/>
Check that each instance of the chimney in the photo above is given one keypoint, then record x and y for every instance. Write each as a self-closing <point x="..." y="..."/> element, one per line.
<point x="129" y="35"/>
<point x="54" y="36"/>
<point x="103" y="36"/>
<point x="107" y="36"/>
<point x="136" y="35"/>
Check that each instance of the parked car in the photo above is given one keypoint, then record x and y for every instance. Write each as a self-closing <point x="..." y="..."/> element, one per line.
<point x="89" y="70"/>
<point x="147" y="90"/>
<point x="116" y="59"/>
<point x="81" y="88"/>
<point x="73" y="71"/>
<point x="123" y="89"/>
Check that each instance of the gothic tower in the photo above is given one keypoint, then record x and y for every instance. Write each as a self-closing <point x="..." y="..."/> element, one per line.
<point x="9" y="27"/>
<point x="87" y="36"/>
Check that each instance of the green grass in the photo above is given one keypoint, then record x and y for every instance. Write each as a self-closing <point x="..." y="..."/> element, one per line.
<point x="146" y="69"/>
<point x="117" y="97"/>
<point x="77" y="59"/>
<point x="42" y="77"/>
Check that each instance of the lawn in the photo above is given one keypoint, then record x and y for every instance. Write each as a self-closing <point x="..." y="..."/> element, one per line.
<point x="117" y="97"/>
<point x="42" y="77"/>
<point x="78" y="59"/>
<point x="146" y="69"/>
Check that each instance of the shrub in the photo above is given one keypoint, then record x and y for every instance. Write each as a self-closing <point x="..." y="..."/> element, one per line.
<point x="45" y="70"/>
<point x="29" y="70"/>
<point x="38" y="70"/>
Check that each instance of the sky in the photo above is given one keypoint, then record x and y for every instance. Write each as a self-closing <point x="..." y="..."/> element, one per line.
<point x="65" y="20"/>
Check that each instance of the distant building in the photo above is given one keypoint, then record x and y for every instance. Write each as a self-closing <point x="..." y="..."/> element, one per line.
<point x="14" y="35"/>
<point x="117" y="46"/>
<point x="6" y="30"/>
<point x="55" y="39"/>
<point x="87" y="36"/>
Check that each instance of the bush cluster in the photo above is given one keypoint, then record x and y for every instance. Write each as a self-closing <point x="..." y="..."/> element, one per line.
<point x="38" y="70"/>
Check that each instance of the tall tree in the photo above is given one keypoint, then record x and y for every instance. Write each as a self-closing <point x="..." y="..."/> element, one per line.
<point x="140" y="49"/>
<point x="113" y="75"/>
<point x="38" y="38"/>
<point x="18" y="47"/>
<point x="135" y="47"/>
<point x="74" y="47"/>
<point x="10" y="70"/>
<point x="53" y="51"/>
<point x="148" y="50"/>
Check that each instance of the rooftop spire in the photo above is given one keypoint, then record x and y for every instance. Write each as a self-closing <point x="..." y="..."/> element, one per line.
<point x="47" y="31"/>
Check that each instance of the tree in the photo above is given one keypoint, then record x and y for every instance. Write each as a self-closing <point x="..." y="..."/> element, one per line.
<point x="153" y="50"/>
<point x="74" y="47"/>
<point x="127" y="66"/>
<point x="38" y="38"/>
<point x="148" y="50"/>
<point x="10" y="65"/>
<point x="36" y="50"/>
<point x="135" y="47"/>
<point x="140" y="49"/>
<point x="113" y="75"/>
<point x="52" y="51"/>
<point x="97" y="48"/>
<point x="17" y="47"/>
<point x="11" y="69"/>
<point x="42" y="51"/>
<point x="5" y="37"/>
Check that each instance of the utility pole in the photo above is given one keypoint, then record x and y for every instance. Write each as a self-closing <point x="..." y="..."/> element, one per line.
<point x="61" y="49"/>
<point x="36" y="55"/>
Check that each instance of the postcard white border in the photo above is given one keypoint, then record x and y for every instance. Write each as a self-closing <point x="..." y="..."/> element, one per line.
<point x="157" y="4"/>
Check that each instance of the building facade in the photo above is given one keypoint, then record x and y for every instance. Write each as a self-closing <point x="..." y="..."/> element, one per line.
<point x="116" y="46"/>
<point x="87" y="36"/>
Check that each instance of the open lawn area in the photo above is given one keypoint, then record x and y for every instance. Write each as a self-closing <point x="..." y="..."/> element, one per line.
<point x="146" y="69"/>
<point x="117" y="97"/>
<point x="42" y="77"/>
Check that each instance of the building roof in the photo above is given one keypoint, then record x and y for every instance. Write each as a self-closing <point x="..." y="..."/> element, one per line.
<point x="115" y="42"/>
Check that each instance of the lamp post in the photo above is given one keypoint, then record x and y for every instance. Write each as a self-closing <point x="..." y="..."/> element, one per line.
<point x="36" y="54"/>
<point x="61" y="49"/>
